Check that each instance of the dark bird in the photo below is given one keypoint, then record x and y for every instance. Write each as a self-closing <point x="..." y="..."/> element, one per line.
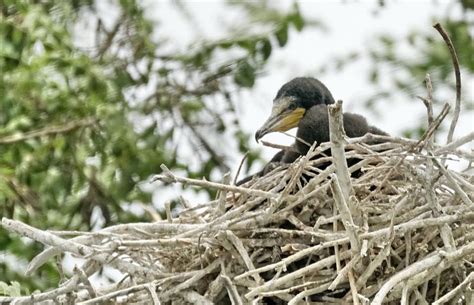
<point x="302" y="103"/>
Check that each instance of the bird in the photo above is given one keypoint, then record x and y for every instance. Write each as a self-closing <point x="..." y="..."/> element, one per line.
<point x="302" y="102"/>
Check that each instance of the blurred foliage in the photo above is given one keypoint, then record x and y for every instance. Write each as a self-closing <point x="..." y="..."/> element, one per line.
<point x="80" y="128"/>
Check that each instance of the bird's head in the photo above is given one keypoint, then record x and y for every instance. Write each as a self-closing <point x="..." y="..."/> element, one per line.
<point x="291" y="103"/>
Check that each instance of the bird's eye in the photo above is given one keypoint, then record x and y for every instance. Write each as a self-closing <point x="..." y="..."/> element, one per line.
<point x="292" y="106"/>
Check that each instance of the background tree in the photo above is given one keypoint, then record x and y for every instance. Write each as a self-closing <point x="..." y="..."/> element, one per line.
<point x="80" y="128"/>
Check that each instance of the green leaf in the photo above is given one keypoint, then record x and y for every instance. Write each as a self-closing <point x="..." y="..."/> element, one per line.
<point x="282" y="34"/>
<point x="265" y="48"/>
<point x="245" y="74"/>
<point x="295" y="18"/>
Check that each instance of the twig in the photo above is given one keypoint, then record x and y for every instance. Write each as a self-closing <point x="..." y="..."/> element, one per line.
<point x="48" y="130"/>
<point x="169" y="177"/>
<point x="328" y="261"/>
<point x="433" y="126"/>
<point x="428" y="101"/>
<point x="233" y="293"/>
<point x="346" y="215"/>
<point x="457" y="73"/>
<point x="445" y="298"/>
<point x="240" y="168"/>
<point x="455" y="144"/>
<point x="454" y="184"/>
<point x="110" y="296"/>
<point x="278" y="146"/>
<point x="195" y="298"/>
<point x="355" y="295"/>
<point x="415" y="271"/>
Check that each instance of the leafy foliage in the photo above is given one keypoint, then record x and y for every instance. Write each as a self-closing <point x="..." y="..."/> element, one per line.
<point x="80" y="128"/>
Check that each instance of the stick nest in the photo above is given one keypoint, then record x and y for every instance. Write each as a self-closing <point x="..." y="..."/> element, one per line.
<point x="402" y="230"/>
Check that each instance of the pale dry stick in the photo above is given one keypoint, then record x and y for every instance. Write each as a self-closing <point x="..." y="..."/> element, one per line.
<point x="288" y="233"/>
<point x="457" y="73"/>
<point x="234" y="182"/>
<point x="83" y="277"/>
<point x="408" y="248"/>
<point x="214" y="289"/>
<point x="150" y="210"/>
<point x="223" y="220"/>
<point x="454" y="184"/>
<point x="342" y="274"/>
<point x="300" y="165"/>
<point x="325" y="262"/>
<point x="335" y="229"/>
<point x="365" y="243"/>
<point x="75" y="248"/>
<point x="448" y="260"/>
<point x="418" y="273"/>
<point x="336" y="134"/>
<point x="344" y="210"/>
<point x="278" y="146"/>
<point x="222" y="196"/>
<point x="191" y="281"/>
<point x="193" y="297"/>
<point x="448" y="296"/>
<point x="420" y="297"/>
<point x="463" y="179"/>
<point x="151" y="287"/>
<point x="296" y="138"/>
<point x="433" y="127"/>
<point x="413" y="269"/>
<point x="163" y="242"/>
<point x="398" y="230"/>
<point x="405" y="296"/>
<point x="114" y="294"/>
<point x="455" y="144"/>
<point x="190" y="209"/>
<point x="243" y="253"/>
<point x="422" y="294"/>
<point x="295" y="257"/>
<point x="387" y="217"/>
<point x="148" y="228"/>
<point x="83" y="295"/>
<point x="297" y="287"/>
<point x="428" y="100"/>
<point x="234" y="296"/>
<point x="407" y="143"/>
<point x="355" y="294"/>
<point x="310" y="189"/>
<point x="305" y="293"/>
<point x="169" y="177"/>
<point x="169" y="217"/>
<point x="431" y="198"/>
<point x="438" y="277"/>
<point x="414" y="224"/>
<point x="374" y="264"/>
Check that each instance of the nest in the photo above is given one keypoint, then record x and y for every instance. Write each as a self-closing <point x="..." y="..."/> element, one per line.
<point x="396" y="226"/>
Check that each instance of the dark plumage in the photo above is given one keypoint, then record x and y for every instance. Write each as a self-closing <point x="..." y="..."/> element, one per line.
<point x="302" y="103"/>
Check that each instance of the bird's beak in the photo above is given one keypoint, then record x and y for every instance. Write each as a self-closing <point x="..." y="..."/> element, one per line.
<point x="281" y="118"/>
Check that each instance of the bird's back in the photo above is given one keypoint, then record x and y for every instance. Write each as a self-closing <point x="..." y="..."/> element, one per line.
<point x="314" y="127"/>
